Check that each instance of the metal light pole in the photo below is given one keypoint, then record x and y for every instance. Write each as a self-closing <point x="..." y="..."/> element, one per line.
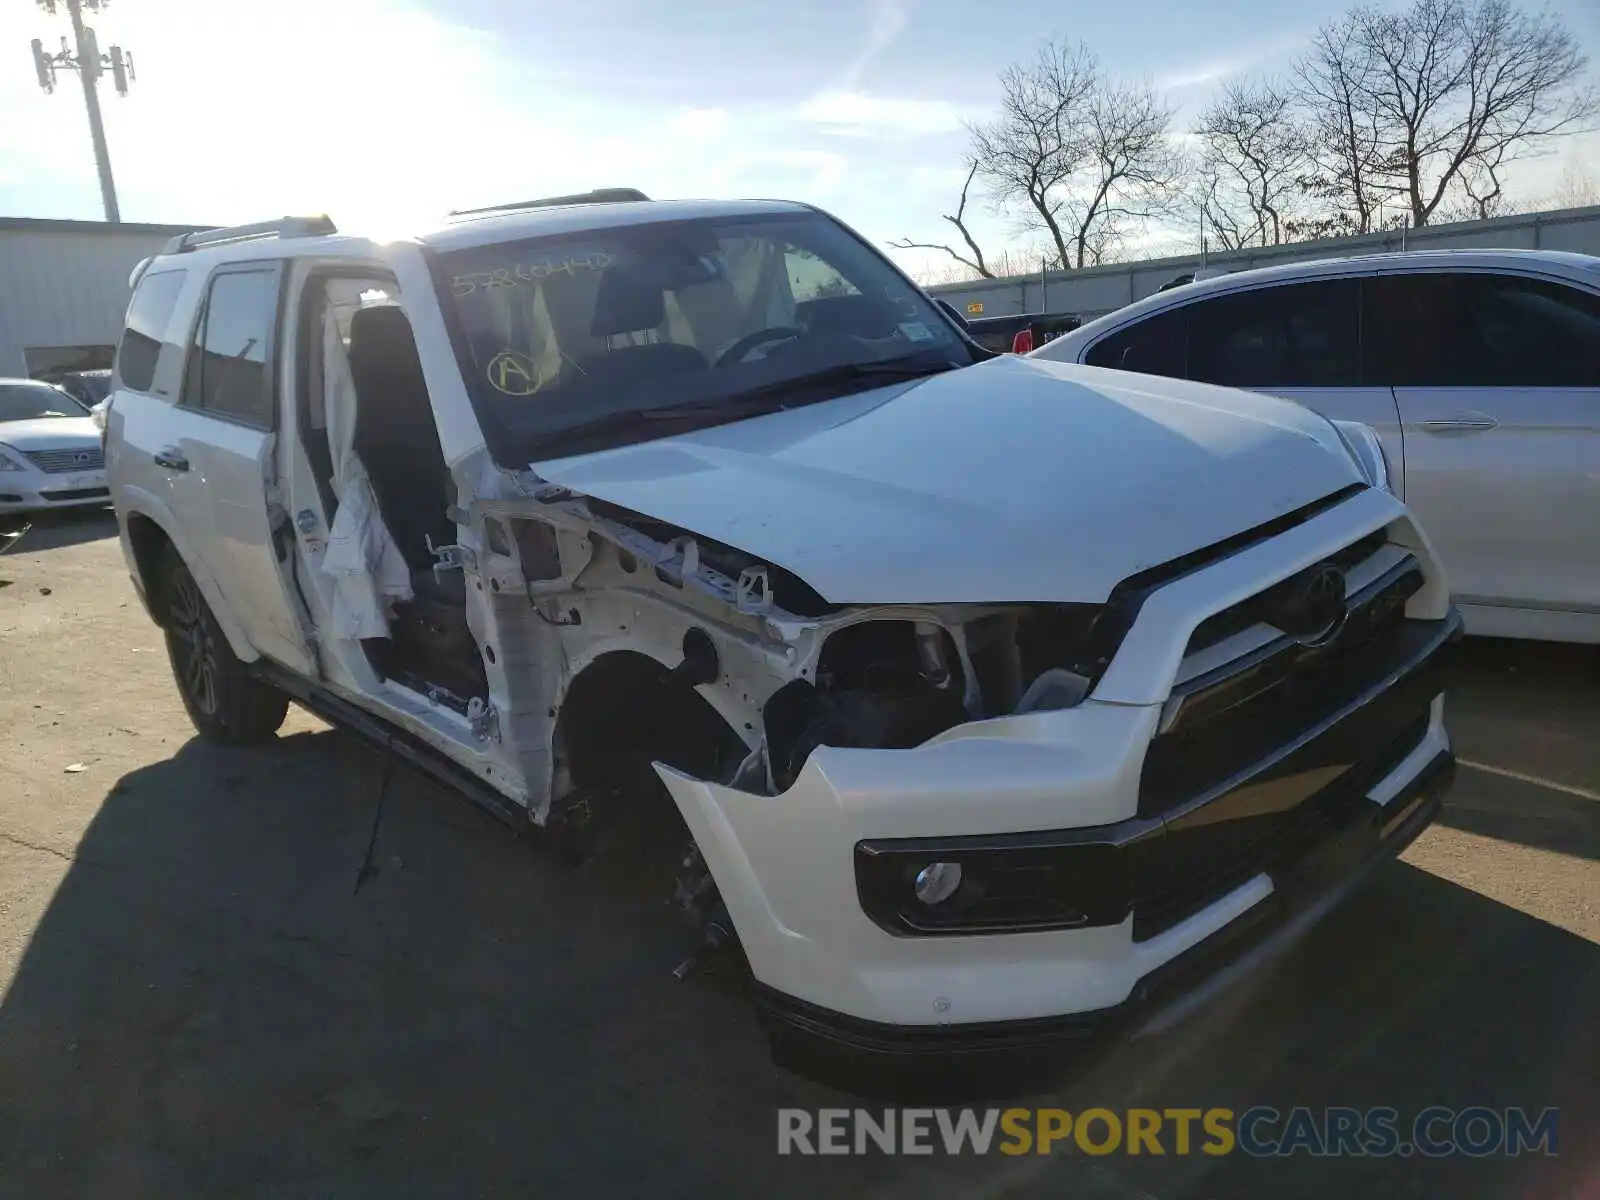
<point x="84" y="57"/>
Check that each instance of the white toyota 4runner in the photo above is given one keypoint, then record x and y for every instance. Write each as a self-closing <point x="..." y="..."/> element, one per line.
<point x="1002" y="700"/>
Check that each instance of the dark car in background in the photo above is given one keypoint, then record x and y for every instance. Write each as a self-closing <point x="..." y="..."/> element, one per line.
<point x="89" y="388"/>
<point x="1021" y="332"/>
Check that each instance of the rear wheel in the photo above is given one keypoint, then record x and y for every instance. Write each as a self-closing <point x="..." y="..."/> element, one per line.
<point x="225" y="701"/>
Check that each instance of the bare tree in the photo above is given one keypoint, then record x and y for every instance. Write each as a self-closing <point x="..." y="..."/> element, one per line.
<point x="1343" y="146"/>
<point x="1482" y="187"/>
<point x="1220" y="220"/>
<point x="959" y="220"/>
<point x="1254" y="158"/>
<point x="1134" y="174"/>
<point x="1577" y="188"/>
<point x="1029" y="152"/>
<point x="1076" y="156"/>
<point x="1438" y="99"/>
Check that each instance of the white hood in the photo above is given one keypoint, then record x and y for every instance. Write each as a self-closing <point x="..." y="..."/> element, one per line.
<point x="50" y="433"/>
<point x="1015" y="480"/>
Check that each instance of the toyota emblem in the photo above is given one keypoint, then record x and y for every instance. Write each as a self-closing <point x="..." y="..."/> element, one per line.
<point x="82" y="459"/>
<point x="1311" y="607"/>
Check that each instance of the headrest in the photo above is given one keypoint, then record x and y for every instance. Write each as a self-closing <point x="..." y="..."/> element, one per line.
<point x="381" y="325"/>
<point x="624" y="303"/>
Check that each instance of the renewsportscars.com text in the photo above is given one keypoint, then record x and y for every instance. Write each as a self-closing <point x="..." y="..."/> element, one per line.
<point x="1260" y="1131"/>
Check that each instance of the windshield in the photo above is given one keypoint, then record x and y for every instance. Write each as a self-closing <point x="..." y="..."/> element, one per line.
<point x="566" y="334"/>
<point x="90" y="386"/>
<point x="26" y="401"/>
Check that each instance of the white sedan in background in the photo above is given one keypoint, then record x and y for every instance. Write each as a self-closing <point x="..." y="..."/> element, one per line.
<point x="50" y="449"/>
<point x="1480" y="371"/>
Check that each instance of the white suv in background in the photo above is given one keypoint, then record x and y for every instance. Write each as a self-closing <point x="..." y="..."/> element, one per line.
<point x="1001" y="701"/>
<point x="1480" y="371"/>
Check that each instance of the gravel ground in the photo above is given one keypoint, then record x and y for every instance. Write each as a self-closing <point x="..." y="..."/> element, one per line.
<point x="194" y="1002"/>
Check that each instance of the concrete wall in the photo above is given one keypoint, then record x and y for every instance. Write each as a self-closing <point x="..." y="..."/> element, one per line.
<point x="65" y="283"/>
<point x="1097" y="290"/>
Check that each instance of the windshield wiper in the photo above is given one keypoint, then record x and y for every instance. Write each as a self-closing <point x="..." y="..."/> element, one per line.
<point x="759" y="400"/>
<point x="910" y="366"/>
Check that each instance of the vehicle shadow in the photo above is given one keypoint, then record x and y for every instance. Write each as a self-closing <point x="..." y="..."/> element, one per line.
<point x="57" y="529"/>
<point x="209" y="1006"/>
<point x="1523" y="716"/>
<point x="1417" y="992"/>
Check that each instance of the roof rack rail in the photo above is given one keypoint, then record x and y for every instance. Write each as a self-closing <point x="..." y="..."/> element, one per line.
<point x="597" y="196"/>
<point x="283" y="227"/>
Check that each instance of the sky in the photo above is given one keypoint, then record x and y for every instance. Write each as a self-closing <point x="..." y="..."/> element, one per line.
<point x="388" y="113"/>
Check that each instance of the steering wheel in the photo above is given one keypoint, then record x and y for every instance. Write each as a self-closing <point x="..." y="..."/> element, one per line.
<point x="773" y="333"/>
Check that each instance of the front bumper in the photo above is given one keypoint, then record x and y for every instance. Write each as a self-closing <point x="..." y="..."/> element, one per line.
<point x="787" y="865"/>
<point x="808" y="1034"/>
<point x="33" y="491"/>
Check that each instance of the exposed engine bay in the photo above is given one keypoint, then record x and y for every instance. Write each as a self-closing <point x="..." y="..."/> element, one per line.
<point x="706" y="631"/>
<point x="670" y="648"/>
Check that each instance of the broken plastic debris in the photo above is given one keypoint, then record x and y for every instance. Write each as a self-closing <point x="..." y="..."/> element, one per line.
<point x="74" y="768"/>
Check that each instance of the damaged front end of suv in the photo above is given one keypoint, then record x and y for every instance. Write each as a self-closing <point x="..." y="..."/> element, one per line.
<point x="994" y="695"/>
<point x="682" y="652"/>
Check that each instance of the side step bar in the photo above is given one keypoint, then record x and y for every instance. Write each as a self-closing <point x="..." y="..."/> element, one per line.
<point x="402" y="744"/>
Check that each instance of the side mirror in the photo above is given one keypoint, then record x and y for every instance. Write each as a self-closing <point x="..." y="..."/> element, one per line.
<point x="954" y="314"/>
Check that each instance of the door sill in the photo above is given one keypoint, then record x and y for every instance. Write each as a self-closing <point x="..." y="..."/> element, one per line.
<point x="391" y="738"/>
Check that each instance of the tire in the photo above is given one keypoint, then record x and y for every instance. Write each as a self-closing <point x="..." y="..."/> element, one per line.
<point x="225" y="701"/>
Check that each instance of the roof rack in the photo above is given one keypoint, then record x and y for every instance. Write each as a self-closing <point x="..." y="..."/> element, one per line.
<point x="597" y="196"/>
<point x="283" y="227"/>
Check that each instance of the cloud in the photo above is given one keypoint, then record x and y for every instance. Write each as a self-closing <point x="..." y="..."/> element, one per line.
<point x="700" y="122"/>
<point x="394" y="114"/>
<point x="1199" y="74"/>
<point x="860" y="114"/>
<point x="389" y="112"/>
<point x="391" y="116"/>
<point x="886" y="21"/>
<point x="811" y="174"/>
<point x="1202" y="74"/>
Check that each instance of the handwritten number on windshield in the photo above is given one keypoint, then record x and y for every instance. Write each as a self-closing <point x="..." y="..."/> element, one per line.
<point x="529" y="272"/>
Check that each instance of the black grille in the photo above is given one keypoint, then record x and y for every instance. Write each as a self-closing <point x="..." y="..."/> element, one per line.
<point x="1194" y="867"/>
<point x="1223" y="723"/>
<point x="61" y="462"/>
<point x="1223" y="625"/>
<point x="77" y="494"/>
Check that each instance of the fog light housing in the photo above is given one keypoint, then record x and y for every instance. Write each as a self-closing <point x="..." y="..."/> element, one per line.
<point x="937" y="882"/>
<point x="992" y="883"/>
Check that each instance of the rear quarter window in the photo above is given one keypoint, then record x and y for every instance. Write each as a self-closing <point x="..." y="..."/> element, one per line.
<point x="149" y="314"/>
<point x="1158" y="345"/>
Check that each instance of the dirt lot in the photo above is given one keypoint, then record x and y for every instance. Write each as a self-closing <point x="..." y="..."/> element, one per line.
<point x="193" y="1002"/>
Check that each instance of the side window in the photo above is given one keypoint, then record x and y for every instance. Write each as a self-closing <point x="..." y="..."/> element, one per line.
<point x="1481" y="330"/>
<point x="1529" y="333"/>
<point x="1297" y="335"/>
<point x="149" y="312"/>
<point x="1157" y="346"/>
<point x="228" y="372"/>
